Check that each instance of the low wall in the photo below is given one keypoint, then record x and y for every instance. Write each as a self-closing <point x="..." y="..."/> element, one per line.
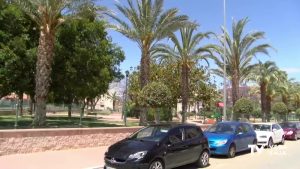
<point x="39" y="140"/>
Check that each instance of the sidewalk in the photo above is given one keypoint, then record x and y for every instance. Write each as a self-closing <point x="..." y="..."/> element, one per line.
<point x="88" y="158"/>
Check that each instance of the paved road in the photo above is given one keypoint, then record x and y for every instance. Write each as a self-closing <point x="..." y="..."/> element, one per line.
<point x="280" y="157"/>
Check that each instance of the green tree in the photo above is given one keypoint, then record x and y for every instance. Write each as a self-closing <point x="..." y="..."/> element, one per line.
<point x="264" y="74"/>
<point x="280" y="109"/>
<point x="240" y="50"/>
<point x="18" y="41"/>
<point x="114" y="97"/>
<point x="85" y="62"/>
<point x="185" y="53"/>
<point x="146" y="24"/>
<point x="47" y="14"/>
<point x="155" y="95"/>
<point x="243" y="106"/>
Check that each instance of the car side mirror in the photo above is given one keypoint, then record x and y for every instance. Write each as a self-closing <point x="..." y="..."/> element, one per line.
<point x="274" y="130"/>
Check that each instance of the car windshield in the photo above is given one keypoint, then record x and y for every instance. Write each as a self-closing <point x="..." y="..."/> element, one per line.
<point x="151" y="133"/>
<point x="222" y="128"/>
<point x="262" y="127"/>
<point x="288" y="125"/>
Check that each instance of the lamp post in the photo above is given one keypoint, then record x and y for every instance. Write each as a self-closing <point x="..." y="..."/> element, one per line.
<point x="224" y="58"/>
<point x="125" y="98"/>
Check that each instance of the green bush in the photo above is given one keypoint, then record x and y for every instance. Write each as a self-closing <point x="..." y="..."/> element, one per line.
<point x="165" y="114"/>
<point x="243" y="106"/>
<point x="279" y="108"/>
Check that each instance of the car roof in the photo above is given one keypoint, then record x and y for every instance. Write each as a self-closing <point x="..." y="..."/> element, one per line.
<point x="234" y="122"/>
<point x="172" y="125"/>
<point x="267" y="123"/>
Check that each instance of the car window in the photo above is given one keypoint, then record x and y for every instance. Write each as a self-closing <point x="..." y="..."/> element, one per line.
<point x="262" y="127"/>
<point x="277" y="127"/>
<point x="176" y="136"/>
<point x="273" y="127"/>
<point x="239" y="129"/>
<point x="151" y="133"/>
<point x="222" y="128"/>
<point x="246" y="128"/>
<point x="192" y="132"/>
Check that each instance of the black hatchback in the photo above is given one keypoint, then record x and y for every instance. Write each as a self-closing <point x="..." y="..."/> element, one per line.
<point x="160" y="147"/>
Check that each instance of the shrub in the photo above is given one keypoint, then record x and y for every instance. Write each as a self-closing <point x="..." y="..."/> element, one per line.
<point x="243" y="106"/>
<point x="280" y="108"/>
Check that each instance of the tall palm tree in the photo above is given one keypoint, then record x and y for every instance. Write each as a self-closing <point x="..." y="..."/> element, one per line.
<point x="263" y="74"/>
<point x="240" y="50"/>
<point x="47" y="15"/>
<point x="186" y="53"/>
<point x="146" y="24"/>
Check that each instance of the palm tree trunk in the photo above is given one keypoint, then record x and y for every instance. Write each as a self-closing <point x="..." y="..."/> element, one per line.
<point x="42" y="78"/>
<point x="268" y="107"/>
<point x="235" y="93"/>
<point x="263" y="99"/>
<point x="144" y="79"/>
<point x="184" y="91"/>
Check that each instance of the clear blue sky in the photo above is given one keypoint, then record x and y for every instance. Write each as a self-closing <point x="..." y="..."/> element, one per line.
<point x="280" y="19"/>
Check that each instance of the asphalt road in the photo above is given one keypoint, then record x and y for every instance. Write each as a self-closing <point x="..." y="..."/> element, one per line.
<point x="280" y="157"/>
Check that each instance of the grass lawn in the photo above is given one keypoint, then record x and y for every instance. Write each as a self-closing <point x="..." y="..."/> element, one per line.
<point x="25" y="122"/>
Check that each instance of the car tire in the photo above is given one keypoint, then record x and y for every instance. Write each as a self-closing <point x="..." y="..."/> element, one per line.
<point x="203" y="160"/>
<point x="156" y="164"/>
<point x="231" y="151"/>
<point x="282" y="141"/>
<point x="270" y="143"/>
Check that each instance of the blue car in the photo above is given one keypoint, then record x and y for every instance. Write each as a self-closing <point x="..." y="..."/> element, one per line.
<point x="227" y="138"/>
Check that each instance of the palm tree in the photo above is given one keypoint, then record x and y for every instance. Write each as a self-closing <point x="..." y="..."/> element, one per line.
<point x="47" y="15"/>
<point x="186" y="54"/>
<point x="240" y="50"/>
<point x="263" y="74"/>
<point x="148" y="24"/>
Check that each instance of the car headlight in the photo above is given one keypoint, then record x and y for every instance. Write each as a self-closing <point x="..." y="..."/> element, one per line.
<point x="221" y="142"/>
<point x="289" y="133"/>
<point x="138" y="155"/>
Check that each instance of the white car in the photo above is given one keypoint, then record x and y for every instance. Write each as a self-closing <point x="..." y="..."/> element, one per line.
<point x="268" y="134"/>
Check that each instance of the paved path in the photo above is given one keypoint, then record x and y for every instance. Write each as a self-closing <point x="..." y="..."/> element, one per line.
<point x="281" y="157"/>
<point x="88" y="158"/>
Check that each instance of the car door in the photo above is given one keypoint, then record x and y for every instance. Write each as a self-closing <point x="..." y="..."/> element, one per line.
<point x="248" y="135"/>
<point x="192" y="140"/>
<point x="239" y="138"/>
<point x="280" y="132"/>
<point x="176" y="148"/>
<point x="275" y="134"/>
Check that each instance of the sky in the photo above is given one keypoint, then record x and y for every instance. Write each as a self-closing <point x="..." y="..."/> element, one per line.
<point x="279" y="19"/>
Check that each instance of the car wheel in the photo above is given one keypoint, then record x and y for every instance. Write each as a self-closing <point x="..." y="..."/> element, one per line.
<point x="270" y="142"/>
<point x="282" y="140"/>
<point x="203" y="160"/>
<point x="156" y="164"/>
<point x="231" y="151"/>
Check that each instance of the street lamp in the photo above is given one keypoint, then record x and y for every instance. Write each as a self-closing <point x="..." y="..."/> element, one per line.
<point x="125" y="98"/>
<point x="224" y="58"/>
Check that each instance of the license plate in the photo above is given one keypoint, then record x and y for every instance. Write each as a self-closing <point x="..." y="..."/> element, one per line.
<point x="110" y="167"/>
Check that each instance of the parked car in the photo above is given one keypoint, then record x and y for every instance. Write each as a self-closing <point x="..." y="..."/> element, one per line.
<point x="160" y="147"/>
<point x="291" y="130"/>
<point x="268" y="134"/>
<point x="227" y="138"/>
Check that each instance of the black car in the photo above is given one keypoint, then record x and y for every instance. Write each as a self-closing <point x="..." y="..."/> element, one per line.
<point x="160" y="147"/>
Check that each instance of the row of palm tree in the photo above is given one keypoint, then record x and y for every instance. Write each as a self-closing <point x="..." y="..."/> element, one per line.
<point x="147" y="24"/>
